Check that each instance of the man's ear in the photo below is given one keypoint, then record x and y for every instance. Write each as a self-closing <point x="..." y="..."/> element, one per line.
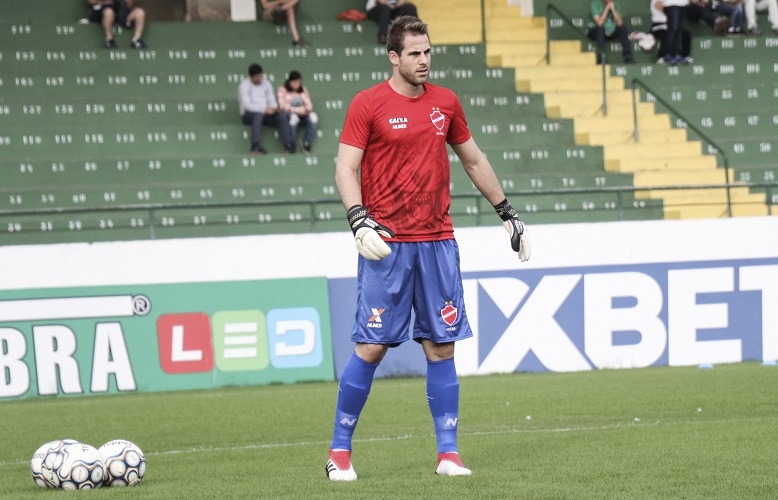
<point x="394" y="58"/>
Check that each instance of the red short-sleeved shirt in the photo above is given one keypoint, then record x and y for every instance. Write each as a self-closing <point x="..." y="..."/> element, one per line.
<point x="405" y="168"/>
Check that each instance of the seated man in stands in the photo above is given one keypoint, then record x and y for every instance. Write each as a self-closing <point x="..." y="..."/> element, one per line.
<point x="384" y="11"/>
<point x="258" y="107"/>
<point x="606" y="23"/>
<point x="122" y="12"/>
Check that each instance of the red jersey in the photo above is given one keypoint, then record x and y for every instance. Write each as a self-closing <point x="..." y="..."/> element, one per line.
<point x="405" y="172"/>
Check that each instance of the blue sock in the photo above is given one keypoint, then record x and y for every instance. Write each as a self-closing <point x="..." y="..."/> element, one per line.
<point x="443" y="400"/>
<point x="353" y="390"/>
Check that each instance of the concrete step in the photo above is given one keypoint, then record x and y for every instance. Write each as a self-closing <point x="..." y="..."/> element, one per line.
<point x="516" y="36"/>
<point x="694" y="163"/>
<point x="543" y="85"/>
<point x="580" y="58"/>
<point x="678" y="178"/>
<point x="641" y="150"/>
<point x="714" y="211"/>
<point x="620" y="123"/>
<point x="595" y="109"/>
<point x="560" y="72"/>
<point x="614" y="96"/>
<point x="460" y="36"/>
<point x="499" y="23"/>
<point x="627" y="136"/>
<point x="533" y="56"/>
<point x="740" y="195"/>
<point x="514" y="60"/>
<point x="501" y="9"/>
<point x="496" y="50"/>
<point x="434" y="5"/>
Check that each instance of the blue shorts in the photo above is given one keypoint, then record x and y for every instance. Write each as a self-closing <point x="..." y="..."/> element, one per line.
<point x="420" y="277"/>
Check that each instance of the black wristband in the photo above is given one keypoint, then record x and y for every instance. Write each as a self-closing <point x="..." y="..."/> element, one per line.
<point x="355" y="213"/>
<point x="505" y="210"/>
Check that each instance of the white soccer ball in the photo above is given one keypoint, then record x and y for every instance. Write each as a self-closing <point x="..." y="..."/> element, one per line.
<point x="81" y="467"/>
<point x="37" y="462"/>
<point x="44" y="462"/>
<point x="125" y="464"/>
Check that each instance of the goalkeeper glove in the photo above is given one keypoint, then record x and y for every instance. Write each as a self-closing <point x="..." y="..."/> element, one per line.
<point x="516" y="229"/>
<point x="366" y="233"/>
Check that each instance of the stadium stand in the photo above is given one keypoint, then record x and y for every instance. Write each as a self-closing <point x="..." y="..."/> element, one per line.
<point x="110" y="145"/>
<point x="703" y="96"/>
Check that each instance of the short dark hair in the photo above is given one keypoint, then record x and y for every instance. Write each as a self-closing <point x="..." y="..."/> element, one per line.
<point x="255" y="69"/>
<point x="398" y="29"/>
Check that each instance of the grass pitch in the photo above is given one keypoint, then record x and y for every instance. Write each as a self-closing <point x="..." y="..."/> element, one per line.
<point x="628" y="434"/>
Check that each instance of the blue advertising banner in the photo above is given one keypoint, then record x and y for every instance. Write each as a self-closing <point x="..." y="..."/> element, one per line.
<point x="583" y="318"/>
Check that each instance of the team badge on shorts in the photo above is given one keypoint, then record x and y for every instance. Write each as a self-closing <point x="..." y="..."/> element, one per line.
<point x="449" y="314"/>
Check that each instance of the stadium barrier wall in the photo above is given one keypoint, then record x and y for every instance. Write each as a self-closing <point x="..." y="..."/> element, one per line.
<point x="199" y="313"/>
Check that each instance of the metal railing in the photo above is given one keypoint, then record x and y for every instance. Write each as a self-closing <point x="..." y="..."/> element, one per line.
<point x="636" y="131"/>
<point x="601" y="54"/>
<point x="306" y="215"/>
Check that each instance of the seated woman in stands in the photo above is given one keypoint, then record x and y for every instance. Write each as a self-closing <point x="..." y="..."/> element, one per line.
<point x="294" y="99"/>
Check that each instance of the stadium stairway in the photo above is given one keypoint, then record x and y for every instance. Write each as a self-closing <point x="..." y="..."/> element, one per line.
<point x="571" y="83"/>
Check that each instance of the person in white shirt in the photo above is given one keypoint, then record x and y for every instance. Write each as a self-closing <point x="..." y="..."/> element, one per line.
<point x="659" y="30"/>
<point x="675" y="10"/>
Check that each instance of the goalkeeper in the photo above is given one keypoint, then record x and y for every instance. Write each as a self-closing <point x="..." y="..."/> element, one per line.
<point x="392" y="173"/>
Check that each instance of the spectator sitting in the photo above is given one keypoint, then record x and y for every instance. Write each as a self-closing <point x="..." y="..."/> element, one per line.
<point x="122" y="12"/>
<point x="384" y="11"/>
<point x="702" y="12"/>
<point x="606" y="23"/>
<point x="752" y="6"/>
<point x="724" y="17"/>
<point x="278" y="11"/>
<point x="659" y="30"/>
<point x="732" y="9"/>
<point x="258" y="107"/>
<point x="294" y="99"/>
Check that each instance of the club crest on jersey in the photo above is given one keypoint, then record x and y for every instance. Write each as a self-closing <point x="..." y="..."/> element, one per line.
<point x="438" y="119"/>
<point x="449" y="314"/>
<point x="374" y="321"/>
<point x="398" y="123"/>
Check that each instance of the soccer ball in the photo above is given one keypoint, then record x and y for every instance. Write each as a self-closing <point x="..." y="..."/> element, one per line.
<point x="42" y="464"/>
<point x="36" y="463"/>
<point x="125" y="464"/>
<point x="81" y="467"/>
